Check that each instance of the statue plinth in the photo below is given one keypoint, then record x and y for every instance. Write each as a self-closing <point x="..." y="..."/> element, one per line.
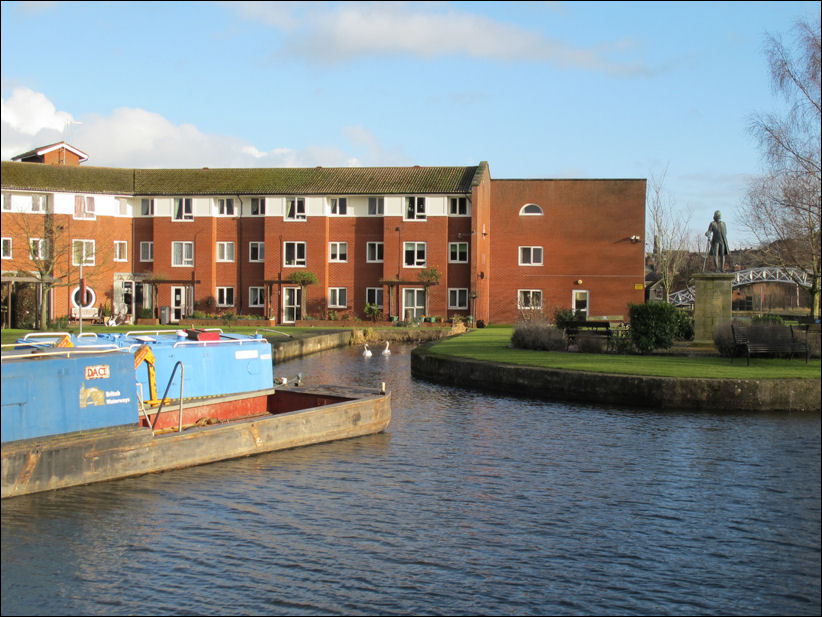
<point x="712" y="303"/>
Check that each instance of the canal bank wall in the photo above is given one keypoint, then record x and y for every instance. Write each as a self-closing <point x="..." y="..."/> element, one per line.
<point x="625" y="390"/>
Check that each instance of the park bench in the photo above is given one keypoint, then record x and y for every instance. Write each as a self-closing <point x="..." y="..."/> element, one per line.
<point x="593" y="328"/>
<point x="768" y="340"/>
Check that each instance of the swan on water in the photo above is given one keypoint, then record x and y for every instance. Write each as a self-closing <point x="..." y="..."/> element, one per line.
<point x="386" y="351"/>
<point x="366" y="352"/>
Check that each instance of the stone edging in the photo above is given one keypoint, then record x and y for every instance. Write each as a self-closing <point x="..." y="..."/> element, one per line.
<point x="623" y="390"/>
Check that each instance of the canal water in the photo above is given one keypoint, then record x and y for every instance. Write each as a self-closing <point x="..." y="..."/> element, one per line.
<point x="469" y="504"/>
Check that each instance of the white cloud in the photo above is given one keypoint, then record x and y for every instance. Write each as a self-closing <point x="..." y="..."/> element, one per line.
<point x="331" y="33"/>
<point x="131" y="137"/>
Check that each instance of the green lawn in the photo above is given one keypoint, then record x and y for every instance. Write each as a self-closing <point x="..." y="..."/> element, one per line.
<point x="491" y="344"/>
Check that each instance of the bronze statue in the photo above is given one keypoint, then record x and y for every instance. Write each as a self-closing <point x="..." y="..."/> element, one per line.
<point x="719" y="241"/>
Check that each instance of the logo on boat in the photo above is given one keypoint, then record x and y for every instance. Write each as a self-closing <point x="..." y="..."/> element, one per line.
<point x="91" y="396"/>
<point x="100" y="371"/>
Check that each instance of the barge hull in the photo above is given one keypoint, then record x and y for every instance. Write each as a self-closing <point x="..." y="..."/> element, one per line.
<point x="43" y="464"/>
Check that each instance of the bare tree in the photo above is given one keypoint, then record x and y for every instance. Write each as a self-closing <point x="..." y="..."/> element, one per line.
<point x="783" y="208"/>
<point x="669" y="231"/>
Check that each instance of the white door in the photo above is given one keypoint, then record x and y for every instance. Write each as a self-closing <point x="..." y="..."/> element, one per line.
<point x="413" y="303"/>
<point x="178" y="303"/>
<point x="291" y="304"/>
<point x="580" y="302"/>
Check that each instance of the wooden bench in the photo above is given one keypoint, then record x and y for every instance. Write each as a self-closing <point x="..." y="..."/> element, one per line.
<point x="596" y="328"/>
<point x="778" y="340"/>
<point x="90" y="313"/>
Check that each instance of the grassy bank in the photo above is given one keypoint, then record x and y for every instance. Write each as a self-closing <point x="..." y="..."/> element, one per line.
<point x="492" y="345"/>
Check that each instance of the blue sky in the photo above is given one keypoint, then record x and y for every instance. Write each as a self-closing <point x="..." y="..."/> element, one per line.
<point x="538" y="89"/>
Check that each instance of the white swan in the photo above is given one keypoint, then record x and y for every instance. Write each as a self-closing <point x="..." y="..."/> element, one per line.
<point x="386" y="351"/>
<point x="366" y="352"/>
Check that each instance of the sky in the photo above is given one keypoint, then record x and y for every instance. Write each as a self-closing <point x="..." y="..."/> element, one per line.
<point x="656" y="90"/>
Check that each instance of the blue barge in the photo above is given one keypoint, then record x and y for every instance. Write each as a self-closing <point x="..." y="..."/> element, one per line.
<point x="77" y="410"/>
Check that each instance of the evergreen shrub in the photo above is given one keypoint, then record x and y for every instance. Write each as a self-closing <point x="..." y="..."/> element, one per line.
<point x="653" y="325"/>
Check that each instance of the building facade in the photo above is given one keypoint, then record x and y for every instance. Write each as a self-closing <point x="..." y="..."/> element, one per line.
<point x="414" y="241"/>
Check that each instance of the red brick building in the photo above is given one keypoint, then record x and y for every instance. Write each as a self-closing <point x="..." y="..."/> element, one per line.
<point x="229" y="240"/>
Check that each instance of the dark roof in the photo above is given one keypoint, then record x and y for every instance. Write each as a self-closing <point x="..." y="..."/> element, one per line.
<point x="253" y="181"/>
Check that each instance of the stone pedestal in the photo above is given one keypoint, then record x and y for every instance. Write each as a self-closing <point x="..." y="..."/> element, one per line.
<point x="712" y="303"/>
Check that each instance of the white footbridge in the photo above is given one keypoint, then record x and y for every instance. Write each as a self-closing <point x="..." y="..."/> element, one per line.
<point x="794" y="276"/>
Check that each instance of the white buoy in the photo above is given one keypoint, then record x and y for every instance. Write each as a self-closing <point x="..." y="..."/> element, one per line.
<point x="366" y="352"/>
<point x="386" y="351"/>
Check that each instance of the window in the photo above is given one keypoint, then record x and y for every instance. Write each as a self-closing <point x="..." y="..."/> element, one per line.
<point x="294" y="254"/>
<point x="83" y="207"/>
<point x="183" y="209"/>
<point x="146" y="251"/>
<point x="6" y="248"/>
<point x="182" y="254"/>
<point x="256" y="251"/>
<point x="120" y="250"/>
<point x="376" y="206"/>
<point x="530" y="255"/>
<point x="415" y="208"/>
<point x="295" y="209"/>
<point x="529" y="299"/>
<point x="225" y="207"/>
<point x="458" y="206"/>
<point x="339" y="206"/>
<point x="373" y="295"/>
<point x="256" y="296"/>
<point x="123" y="206"/>
<point x="225" y="296"/>
<point x="337" y="297"/>
<point x="6" y="202"/>
<point x="39" y="203"/>
<point x="414" y="254"/>
<point x="82" y="252"/>
<point x="258" y="206"/>
<point x="457" y="298"/>
<point x="530" y="210"/>
<point x="338" y="251"/>
<point x="458" y="252"/>
<point x="147" y="207"/>
<point x="374" y="252"/>
<point x="38" y="248"/>
<point x="225" y="251"/>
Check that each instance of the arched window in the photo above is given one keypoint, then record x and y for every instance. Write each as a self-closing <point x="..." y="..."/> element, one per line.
<point x="530" y="210"/>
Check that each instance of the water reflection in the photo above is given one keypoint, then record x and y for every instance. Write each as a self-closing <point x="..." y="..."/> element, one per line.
<point x="468" y="504"/>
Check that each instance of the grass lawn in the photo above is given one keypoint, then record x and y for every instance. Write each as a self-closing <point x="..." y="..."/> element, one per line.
<point x="491" y="344"/>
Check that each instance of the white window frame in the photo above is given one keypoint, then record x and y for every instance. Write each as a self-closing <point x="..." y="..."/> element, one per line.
<point x="531" y="210"/>
<point x="375" y="295"/>
<point x="38" y="249"/>
<point x="530" y="255"/>
<point x="120" y="250"/>
<point x="146" y="252"/>
<point x="225" y="206"/>
<point x="39" y="202"/>
<point x="147" y="206"/>
<point x="225" y="296"/>
<point x="338" y="206"/>
<point x="84" y="208"/>
<point x="85" y="244"/>
<point x="257" y="206"/>
<point x="7" y="252"/>
<point x="225" y="252"/>
<point x="297" y="261"/>
<point x="299" y="209"/>
<point x="455" y="295"/>
<point x="455" y="204"/>
<point x="338" y="297"/>
<point x="376" y="206"/>
<point x="186" y="249"/>
<point x="256" y="252"/>
<point x="456" y="245"/>
<point x="375" y="252"/>
<point x="415" y="208"/>
<point x="530" y="294"/>
<point x="416" y="261"/>
<point x="337" y="252"/>
<point x="256" y="297"/>
<point x="6" y="202"/>
<point x="183" y="209"/>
